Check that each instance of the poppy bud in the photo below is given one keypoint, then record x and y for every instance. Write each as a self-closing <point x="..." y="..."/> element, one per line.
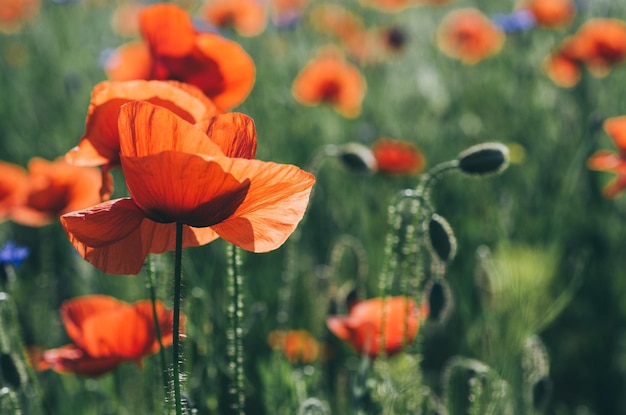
<point x="484" y="159"/>
<point x="357" y="158"/>
<point x="441" y="238"/>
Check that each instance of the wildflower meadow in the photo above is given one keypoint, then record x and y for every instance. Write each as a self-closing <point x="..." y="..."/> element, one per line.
<point x="312" y="207"/>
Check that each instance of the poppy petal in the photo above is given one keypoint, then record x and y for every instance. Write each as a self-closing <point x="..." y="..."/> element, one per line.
<point x="165" y="319"/>
<point x="173" y="186"/>
<point x="147" y="129"/>
<point x="75" y="312"/>
<point x="275" y="203"/>
<point x="129" y="62"/>
<point x="234" y="133"/>
<point x="101" y="141"/>
<point x="337" y="325"/>
<point x="71" y="359"/>
<point x="168" y="29"/>
<point x="235" y="66"/>
<point x="616" y="128"/>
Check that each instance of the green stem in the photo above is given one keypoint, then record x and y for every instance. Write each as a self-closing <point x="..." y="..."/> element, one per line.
<point x="176" y="324"/>
<point x="235" y="314"/>
<point x="157" y="326"/>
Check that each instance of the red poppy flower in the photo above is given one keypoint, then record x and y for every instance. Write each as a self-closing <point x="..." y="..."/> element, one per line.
<point x="14" y="13"/>
<point x="468" y="35"/>
<point x="601" y="44"/>
<point x="604" y="160"/>
<point x="13" y="188"/>
<point x="562" y="68"/>
<point x="177" y="173"/>
<point x="330" y="79"/>
<point x="362" y="328"/>
<point x="100" y="144"/>
<point x="105" y="333"/>
<point x="217" y="66"/>
<point x="55" y="188"/>
<point x="298" y="345"/>
<point x="247" y="17"/>
<point x="398" y="157"/>
<point x="551" y="13"/>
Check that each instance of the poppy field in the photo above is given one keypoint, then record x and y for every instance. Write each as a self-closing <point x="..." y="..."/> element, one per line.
<point x="312" y="207"/>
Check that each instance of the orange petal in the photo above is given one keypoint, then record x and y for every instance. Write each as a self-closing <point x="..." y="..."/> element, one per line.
<point x="165" y="319"/>
<point x="338" y="326"/>
<point x="71" y="359"/>
<point x="100" y="144"/>
<point x="616" y="128"/>
<point x="168" y="29"/>
<point x="129" y="62"/>
<point x="13" y="187"/>
<point x="607" y="161"/>
<point x="234" y="133"/>
<point x="76" y="312"/>
<point x="273" y="207"/>
<point x="236" y="69"/>
<point x="147" y="129"/>
<point x="179" y="187"/>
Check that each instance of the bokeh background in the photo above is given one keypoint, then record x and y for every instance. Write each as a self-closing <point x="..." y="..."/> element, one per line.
<point x="545" y="216"/>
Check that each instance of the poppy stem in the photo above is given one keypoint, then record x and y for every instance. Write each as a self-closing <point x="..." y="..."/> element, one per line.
<point x="235" y="314"/>
<point x="176" y="358"/>
<point x="155" y="317"/>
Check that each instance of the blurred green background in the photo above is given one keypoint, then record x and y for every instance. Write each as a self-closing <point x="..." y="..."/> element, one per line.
<point x="547" y="201"/>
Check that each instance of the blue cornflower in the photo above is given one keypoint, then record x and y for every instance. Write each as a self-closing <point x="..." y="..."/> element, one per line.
<point x="13" y="254"/>
<point x="517" y="21"/>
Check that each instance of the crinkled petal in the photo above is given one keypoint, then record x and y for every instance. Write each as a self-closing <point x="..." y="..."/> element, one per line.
<point x="147" y="129"/>
<point x="273" y="207"/>
<point x="234" y="133"/>
<point x="173" y="186"/>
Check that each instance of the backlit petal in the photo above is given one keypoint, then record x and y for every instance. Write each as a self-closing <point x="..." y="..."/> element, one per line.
<point x="616" y="128"/>
<point x="273" y="207"/>
<point x="147" y="129"/>
<point x="179" y="187"/>
<point x="71" y="359"/>
<point x="168" y="29"/>
<point x="234" y="133"/>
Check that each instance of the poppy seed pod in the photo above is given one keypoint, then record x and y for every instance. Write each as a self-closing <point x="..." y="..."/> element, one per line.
<point x="441" y="238"/>
<point x="358" y="158"/>
<point x="484" y="159"/>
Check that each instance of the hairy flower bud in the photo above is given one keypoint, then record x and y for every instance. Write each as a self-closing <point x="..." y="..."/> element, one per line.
<point x="357" y="158"/>
<point x="441" y="238"/>
<point x="484" y="159"/>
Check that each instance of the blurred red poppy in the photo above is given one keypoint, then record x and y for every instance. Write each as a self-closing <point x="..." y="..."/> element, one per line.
<point x="330" y="79"/>
<point x="468" y="35"/>
<point x="604" y="160"/>
<point x="105" y="333"/>
<point x="217" y="66"/>
<point x="398" y="157"/>
<point x="600" y="44"/>
<point x="551" y="13"/>
<point x="14" y="13"/>
<point x="247" y="17"/>
<point x="13" y="188"/>
<point x="100" y="144"/>
<point x="298" y="345"/>
<point x="207" y="181"/>
<point x="55" y="188"/>
<point x="362" y="329"/>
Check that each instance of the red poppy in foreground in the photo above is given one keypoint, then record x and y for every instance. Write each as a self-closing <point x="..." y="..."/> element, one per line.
<point x="217" y="66"/>
<point x="604" y="160"/>
<point x="105" y="333"/>
<point x="330" y="79"/>
<point x="362" y="328"/>
<point x="298" y="345"/>
<point x="398" y="157"/>
<point x="468" y="35"/>
<point x="176" y="173"/>
<point x="100" y="144"/>
<point x="247" y="17"/>
<point x="13" y="188"/>
<point x="55" y="188"/>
